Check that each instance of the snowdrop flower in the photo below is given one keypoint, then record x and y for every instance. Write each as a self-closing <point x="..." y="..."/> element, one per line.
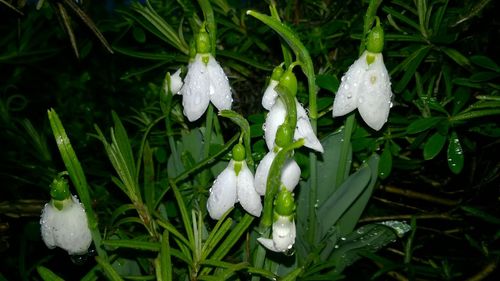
<point x="234" y="184"/>
<point x="303" y="129"/>
<point x="205" y="82"/>
<point x="283" y="228"/>
<point x="64" y="222"/>
<point x="366" y="85"/>
<point x="290" y="173"/>
<point x="284" y="234"/>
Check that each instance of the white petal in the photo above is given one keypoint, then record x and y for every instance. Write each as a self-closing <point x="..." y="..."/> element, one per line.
<point x="195" y="98"/>
<point x="176" y="82"/>
<point x="268" y="243"/>
<point x="374" y="101"/>
<point x="223" y="193"/>
<point x="270" y="95"/>
<point x="219" y="90"/>
<point x="262" y="172"/>
<point x="290" y="174"/>
<point x="304" y="130"/>
<point x="274" y="119"/>
<point x="66" y="228"/>
<point x="346" y="99"/>
<point x="284" y="233"/>
<point x="248" y="197"/>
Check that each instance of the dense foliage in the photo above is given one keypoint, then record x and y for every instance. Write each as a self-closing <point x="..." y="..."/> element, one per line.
<point x="103" y="64"/>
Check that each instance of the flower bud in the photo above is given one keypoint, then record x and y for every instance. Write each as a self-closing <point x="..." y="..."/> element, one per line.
<point x="289" y="81"/>
<point x="239" y="152"/>
<point x="375" y="40"/>
<point x="284" y="135"/>
<point x="284" y="204"/>
<point x="59" y="191"/>
<point x="202" y="41"/>
<point x="277" y="73"/>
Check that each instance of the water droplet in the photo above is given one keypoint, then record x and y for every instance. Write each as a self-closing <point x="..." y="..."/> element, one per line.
<point x="343" y="238"/>
<point x="360" y="100"/>
<point x="349" y="95"/>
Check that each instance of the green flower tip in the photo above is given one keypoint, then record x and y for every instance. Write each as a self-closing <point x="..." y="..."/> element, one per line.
<point x="284" y="204"/>
<point x="289" y="81"/>
<point x="202" y="41"/>
<point x="59" y="188"/>
<point x="284" y="135"/>
<point x="239" y="152"/>
<point x="277" y="73"/>
<point x="375" y="40"/>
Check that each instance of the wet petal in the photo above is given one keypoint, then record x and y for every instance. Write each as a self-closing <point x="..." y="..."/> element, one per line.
<point x="195" y="98"/>
<point x="290" y="174"/>
<point x="248" y="197"/>
<point x="274" y="119"/>
<point x="268" y="243"/>
<point x="374" y="102"/>
<point x="262" y="172"/>
<point x="219" y="89"/>
<point x="284" y="233"/>
<point x="222" y="194"/>
<point x="270" y="95"/>
<point x="346" y="99"/>
<point x="176" y="82"/>
<point x="304" y="130"/>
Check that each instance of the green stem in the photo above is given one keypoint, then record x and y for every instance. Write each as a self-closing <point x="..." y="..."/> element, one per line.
<point x="208" y="14"/>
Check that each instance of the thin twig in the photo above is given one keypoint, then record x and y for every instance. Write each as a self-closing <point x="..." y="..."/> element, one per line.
<point x="419" y="195"/>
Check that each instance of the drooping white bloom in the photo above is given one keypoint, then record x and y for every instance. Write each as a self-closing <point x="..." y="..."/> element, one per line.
<point x="276" y="117"/>
<point x="367" y="87"/>
<point x="230" y="187"/>
<point x="205" y="81"/>
<point x="66" y="228"/>
<point x="290" y="173"/>
<point x="284" y="234"/>
<point x="175" y="83"/>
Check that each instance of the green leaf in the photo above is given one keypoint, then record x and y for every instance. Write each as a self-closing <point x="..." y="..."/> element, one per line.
<point x="139" y="34"/>
<point x="348" y="221"/>
<point x="410" y="66"/>
<point x="434" y="145"/>
<point x="327" y="82"/>
<point x="423" y="124"/>
<point x="133" y="244"/>
<point x="487" y="217"/>
<point x="336" y="205"/>
<point x="385" y="165"/>
<point x="368" y="238"/>
<point x="455" y="154"/>
<point x="165" y="259"/>
<point x="485" y="62"/>
<point x="108" y="270"/>
<point x="457" y="57"/>
<point x="47" y="274"/>
<point x="149" y="177"/>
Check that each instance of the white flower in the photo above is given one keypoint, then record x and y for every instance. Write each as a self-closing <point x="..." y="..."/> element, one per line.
<point x="276" y="117"/>
<point x="66" y="228"/>
<point x="366" y="87"/>
<point x="205" y="81"/>
<point x="175" y="83"/>
<point x="230" y="187"/>
<point x="290" y="173"/>
<point x="284" y="234"/>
